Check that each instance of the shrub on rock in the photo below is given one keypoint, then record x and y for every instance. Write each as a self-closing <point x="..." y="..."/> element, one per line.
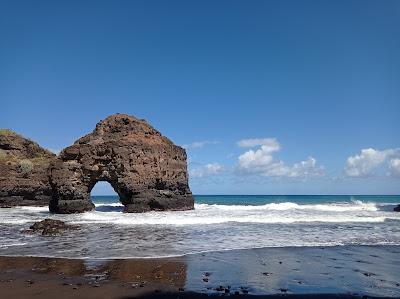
<point x="26" y="166"/>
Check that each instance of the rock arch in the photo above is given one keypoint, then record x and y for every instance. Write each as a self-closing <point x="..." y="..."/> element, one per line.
<point x="145" y="168"/>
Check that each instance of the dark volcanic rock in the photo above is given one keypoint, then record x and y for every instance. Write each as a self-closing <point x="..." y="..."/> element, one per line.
<point x="24" y="176"/>
<point x="145" y="168"/>
<point x="50" y="227"/>
<point x="397" y="209"/>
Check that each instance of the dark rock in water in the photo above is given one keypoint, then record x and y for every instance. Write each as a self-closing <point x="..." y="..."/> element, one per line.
<point x="145" y="168"/>
<point x="50" y="227"/>
<point x="24" y="179"/>
<point x="397" y="209"/>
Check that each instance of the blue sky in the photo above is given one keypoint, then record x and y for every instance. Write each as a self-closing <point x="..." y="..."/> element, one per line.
<point x="309" y="89"/>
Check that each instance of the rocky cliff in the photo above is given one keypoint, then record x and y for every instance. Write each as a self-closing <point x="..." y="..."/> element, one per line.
<point x="24" y="166"/>
<point x="145" y="168"/>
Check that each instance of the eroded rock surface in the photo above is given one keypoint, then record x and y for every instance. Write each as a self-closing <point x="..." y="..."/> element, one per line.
<point x="24" y="179"/>
<point x="145" y="168"/>
<point x="50" y="227"/>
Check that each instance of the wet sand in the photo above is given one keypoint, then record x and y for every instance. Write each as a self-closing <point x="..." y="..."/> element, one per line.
<point x="315" y="272"/>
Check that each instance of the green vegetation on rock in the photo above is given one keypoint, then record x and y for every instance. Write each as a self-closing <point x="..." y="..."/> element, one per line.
<point x="3" y="154"/>
<point x="26" y="166"/>
<point x="6" y="132"/>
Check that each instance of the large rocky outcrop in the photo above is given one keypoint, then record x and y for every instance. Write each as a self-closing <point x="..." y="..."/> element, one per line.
<point x="145" y="168"/>
<point x="24" y="176"/>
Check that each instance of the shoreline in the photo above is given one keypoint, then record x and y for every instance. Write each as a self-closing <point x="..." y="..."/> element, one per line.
<point x="296" y="272"/>
<point x="198" y="253"/>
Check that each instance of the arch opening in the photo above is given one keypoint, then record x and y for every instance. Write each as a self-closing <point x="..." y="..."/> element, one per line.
<point x="104" y="196"/>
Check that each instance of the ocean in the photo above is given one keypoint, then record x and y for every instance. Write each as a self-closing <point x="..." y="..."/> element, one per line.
<point x="218" y="223"/>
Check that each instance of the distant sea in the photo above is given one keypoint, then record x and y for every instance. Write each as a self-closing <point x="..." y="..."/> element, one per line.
<point x="218" y="223"/>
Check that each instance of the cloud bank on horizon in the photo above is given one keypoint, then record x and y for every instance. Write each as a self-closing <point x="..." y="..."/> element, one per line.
<point x="259" y="160"/>
<point x="370" y="161"/>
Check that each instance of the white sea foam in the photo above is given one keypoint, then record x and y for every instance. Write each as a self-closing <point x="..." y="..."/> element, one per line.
<point x="195" y="220"/>
<point x="12" y="244"/>
<point x="15" y="221"/>
<point x="335" y="207"/>
<point x="107" y="232"/>
<point x="114" y="204"/>
<point x="34" y="209"/>
<point x="286" y="212"/>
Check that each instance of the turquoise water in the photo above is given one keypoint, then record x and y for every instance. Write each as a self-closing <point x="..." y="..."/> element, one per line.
<point x="300" y="199"/>
<point x="267" y="199"/>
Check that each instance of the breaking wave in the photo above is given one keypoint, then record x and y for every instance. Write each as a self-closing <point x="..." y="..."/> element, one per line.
<point x="355" y="205"/>
<point x="203" y="214"/>
<point x="216" y="224"/>
<point x="286" y="212"/>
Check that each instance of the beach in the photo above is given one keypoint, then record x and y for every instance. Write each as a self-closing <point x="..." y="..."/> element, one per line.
<point x="329" y="272"/>
<point x="199" y="149"/>
<point x="292" y="246"/>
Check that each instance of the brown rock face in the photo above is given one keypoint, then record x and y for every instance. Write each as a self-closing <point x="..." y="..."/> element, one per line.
<point x="24" y="179"/>
<point x="145" y="168"/>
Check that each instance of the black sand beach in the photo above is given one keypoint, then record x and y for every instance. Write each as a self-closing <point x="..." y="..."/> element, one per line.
<point x="199" y="149"/>
<point x="314" y="272"/>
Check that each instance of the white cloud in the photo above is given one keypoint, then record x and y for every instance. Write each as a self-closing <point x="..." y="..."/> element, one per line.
<point x="262" y="162"/>
<point x="199" y="144"/>
<point x="370" y="160"/>
<point x="394" y="167"/>
<point x="207" y="170"/>
<point x="271" y="143"/>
